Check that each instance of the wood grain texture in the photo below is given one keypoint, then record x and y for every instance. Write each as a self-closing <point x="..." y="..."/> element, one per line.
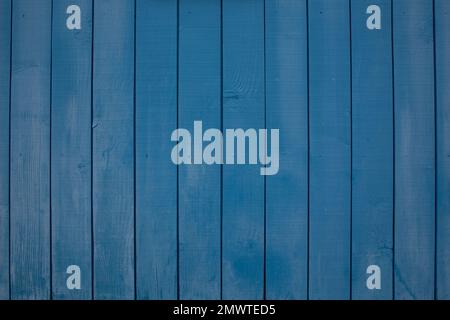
<point x="330" y="140"/>
<point x="86" y="176"/>
<point x="243" y="187"/>
<point x="156" y="178"/>
<point x="199" y="91"/>
<point x="113" y="148"/>
<point x="414" y="149"/>
<point x="5" y="68"/>
<point x="287" y="110"/>
<point x="442" y="16"/>
<point x="372" y="165"/>
<point x="30" y="150"/>
<point x="71" y="150"/>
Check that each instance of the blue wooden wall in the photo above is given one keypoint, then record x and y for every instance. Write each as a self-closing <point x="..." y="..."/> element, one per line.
<point x="86" y="178"/>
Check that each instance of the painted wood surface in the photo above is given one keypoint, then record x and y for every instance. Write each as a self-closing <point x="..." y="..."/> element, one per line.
<point x="5" y="68"/>
<point x="199" y="186"/>
<point x="30" y="150"/>
<point x="286" y="57"/>
<point x="113" y="149"/>
<point x="329" y="149"/>
<point x="372" y="151"/>
<point x="156" y="176"/>
<point x="243" y="187"/>
<point x="414" y="232"/>
<point x="442" y="36"/>
<point x="71" y="151"/>
<point x="86" y="177"/>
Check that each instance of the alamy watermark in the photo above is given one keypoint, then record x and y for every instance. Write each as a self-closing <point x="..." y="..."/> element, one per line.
<point x="242" y="147"/>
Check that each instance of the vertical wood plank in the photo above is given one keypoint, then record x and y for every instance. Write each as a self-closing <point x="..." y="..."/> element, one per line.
<point x="156" y="175"/>
<point x="442" y="15"/>
<point x="199" y="184"/>
<point x="372" y="94"/>
<point x="414" y="149"/>
<point x="287" y="110"/>
<point x="113" y="186"/>
<point x="30" y="150"/>
<point x="243" y="187"/>
<point x="329" y="51"/>
<point x="5" y="68"/>
<point x="71" y="149"/>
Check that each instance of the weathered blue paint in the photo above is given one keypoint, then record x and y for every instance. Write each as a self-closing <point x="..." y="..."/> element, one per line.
<point x="414" y="243"/>
<point x="113" y="149"/>
<point x="87" y="179"/>
<point x="5" y="68"/>
<point x="199" y="92"/>
<point x="372" y="150"/>
<point x="243" y="187"/>
<point x="287" y="109"/>
<point x="71" y="150"/>
<point x="30" y="150"/>
<point x="330" y="143"/>
<point x="442" y="16"/>
<point x="156" y="176"/>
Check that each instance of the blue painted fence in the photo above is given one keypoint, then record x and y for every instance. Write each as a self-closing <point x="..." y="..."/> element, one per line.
<point x="88" y="187"/>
